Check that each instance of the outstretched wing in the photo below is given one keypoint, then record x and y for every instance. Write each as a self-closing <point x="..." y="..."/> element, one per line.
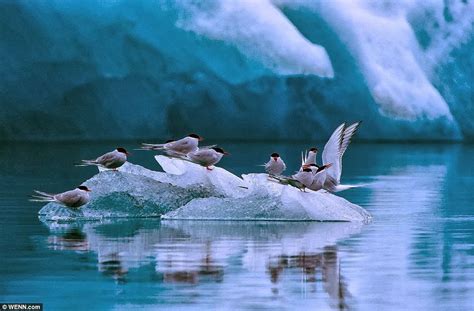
<point x="332" y="153"/>
<point x="349" y="131"/>
<point x="335" y="148"/>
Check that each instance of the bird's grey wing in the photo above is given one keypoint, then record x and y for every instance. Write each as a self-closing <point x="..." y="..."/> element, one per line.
<point x="318" y="180"/>
<point x="332" y="153"/>
<point x="106" y="159"/>
<point x="202" y="156"/>
<point x="179" y="145"/>
<point x="207" y="147"/>
<point x="68" y="197"/>
<point x="349" y="131"/>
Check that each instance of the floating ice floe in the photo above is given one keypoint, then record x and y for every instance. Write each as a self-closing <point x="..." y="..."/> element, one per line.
<point x="187" y="191"/>
<point x="133" y="191"/>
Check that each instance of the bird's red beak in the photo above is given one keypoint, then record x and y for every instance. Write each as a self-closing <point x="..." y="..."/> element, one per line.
<point x="226" y="153"/>
<point x="200" y="138"/>
<point x="88" y="190"/>
<point x="275" y="158"/>
<point x="128" y="154"/>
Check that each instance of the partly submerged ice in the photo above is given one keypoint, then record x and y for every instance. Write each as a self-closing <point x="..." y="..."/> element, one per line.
<point x="192" y="192"/>
<point x="266" y="200"/>
<point x="133" y="191"/>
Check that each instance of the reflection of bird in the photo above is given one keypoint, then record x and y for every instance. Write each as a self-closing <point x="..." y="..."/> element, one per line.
<point x="72" y="198"/>
<point x="179" y="147"/>
<point x="310" y="264"/>
<point x="275" y="166"/>
<point x="110" y="160"/>
<point x="332" y="153"/>
<point x="74" y="239"/>
<point x="206" y="269"/>
<point x="112" y="266"/>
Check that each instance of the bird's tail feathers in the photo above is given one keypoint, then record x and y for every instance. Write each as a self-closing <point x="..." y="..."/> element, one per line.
<point x="40" y="196"/>
<point x="340" y="188"/>
<point x="278" y="179"/>
<point x="86" y="163"/>
<point x="146" y="146"/>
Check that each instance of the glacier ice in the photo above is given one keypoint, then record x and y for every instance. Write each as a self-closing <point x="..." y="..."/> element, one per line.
<point x="255" y="28"/>
<point x="155" y="68"/>
<point x="254" y="197"/>
<point x="278" y="203"/>
<point x="186" y="174"/>
<point x="131" y="192"/>
<point x="192" y="192"/>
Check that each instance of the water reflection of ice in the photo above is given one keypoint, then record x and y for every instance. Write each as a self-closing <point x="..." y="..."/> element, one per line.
<point x="405" y="200"/>
<point x="213" y="252"/>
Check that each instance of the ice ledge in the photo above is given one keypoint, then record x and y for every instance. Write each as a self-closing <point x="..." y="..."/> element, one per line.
<point x="189" y="191"/>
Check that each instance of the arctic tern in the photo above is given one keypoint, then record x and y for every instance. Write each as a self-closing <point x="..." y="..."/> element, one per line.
<point x="179" y="147"/>
<point x="300" y="180"/>
<point x="73" y="198"/>
<point x="332" y="153"/>
<point x="206" y="157"/>
<point x="275" y="166"/>
<point x="110" y="160"/>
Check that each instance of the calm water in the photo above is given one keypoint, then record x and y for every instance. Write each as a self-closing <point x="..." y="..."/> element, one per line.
<point x="417" y="254"/>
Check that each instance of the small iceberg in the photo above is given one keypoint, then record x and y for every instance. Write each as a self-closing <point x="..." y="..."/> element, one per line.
<point x="187" y="191"/>
<point x="133" y="191"/>
<point x="266" y="200"/>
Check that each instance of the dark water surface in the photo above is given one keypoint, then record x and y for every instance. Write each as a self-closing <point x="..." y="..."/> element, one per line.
<point x="417" y="254"/>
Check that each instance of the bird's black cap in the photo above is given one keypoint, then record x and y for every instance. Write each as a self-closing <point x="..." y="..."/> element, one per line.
<point x="83" y="188"/>
<point x="306" y="170"/>
<point x="220" y="150"/>
<point x="275" y="155"/>
<point x="194" y="136"/>
<point x="122" y="150"/>
<point x="313" y="149"/>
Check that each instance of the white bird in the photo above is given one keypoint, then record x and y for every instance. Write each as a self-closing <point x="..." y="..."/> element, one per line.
<point x="300" y="180"/>
<point x="333" y="152"/>
<point x="319" y="176"/>
<point x="110" y="160"/>
<point x="206" y="157"/>
<point x="275" y="166"/>
<point x="73" y="198"/>
<point x="179" y="147"/>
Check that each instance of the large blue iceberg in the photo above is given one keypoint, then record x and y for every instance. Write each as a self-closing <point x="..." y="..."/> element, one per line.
<point x="164" y="68"/>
